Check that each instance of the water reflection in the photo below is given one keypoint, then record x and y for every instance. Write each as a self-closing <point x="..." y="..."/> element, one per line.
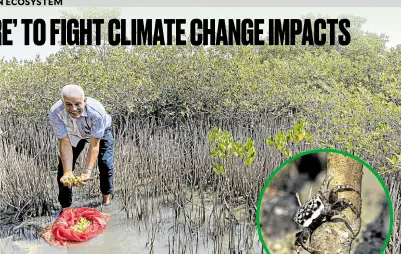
<point x="161" y="233"/>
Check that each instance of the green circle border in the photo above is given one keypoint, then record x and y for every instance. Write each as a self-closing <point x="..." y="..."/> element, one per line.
<point x="324" y="150"/>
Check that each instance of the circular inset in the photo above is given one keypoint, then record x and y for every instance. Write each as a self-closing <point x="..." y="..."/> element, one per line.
<point x="327" y="201"/>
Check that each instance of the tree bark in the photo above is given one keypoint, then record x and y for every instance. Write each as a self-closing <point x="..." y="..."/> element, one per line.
<point x="335" y="236"/>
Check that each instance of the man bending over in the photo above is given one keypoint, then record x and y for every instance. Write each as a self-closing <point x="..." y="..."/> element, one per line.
<point x="77" y="120"/>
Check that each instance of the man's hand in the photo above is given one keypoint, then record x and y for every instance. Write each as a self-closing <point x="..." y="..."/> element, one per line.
<point x="84" y="177"/>
<point x="67" y="178"/>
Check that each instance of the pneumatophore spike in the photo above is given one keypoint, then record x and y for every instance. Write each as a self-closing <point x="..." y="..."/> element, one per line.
<point x="299" y="200"/>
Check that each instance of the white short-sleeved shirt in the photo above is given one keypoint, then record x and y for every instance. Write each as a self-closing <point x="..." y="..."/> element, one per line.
<point x="93" y="121"/>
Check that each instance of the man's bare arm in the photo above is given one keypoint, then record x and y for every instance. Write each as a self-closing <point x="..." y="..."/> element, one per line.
<point x="66" y="159"/>
<point x="66" y="154"/>
<point x="93" y="152"/>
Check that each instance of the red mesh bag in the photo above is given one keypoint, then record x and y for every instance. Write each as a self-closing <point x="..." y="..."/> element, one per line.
<point x="62" y="228"/>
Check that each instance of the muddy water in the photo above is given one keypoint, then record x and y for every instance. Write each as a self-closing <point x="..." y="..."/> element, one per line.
<point x="161" y="233"/>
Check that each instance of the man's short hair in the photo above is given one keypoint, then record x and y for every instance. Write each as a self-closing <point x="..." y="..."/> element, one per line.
<point x="72" y="91"/>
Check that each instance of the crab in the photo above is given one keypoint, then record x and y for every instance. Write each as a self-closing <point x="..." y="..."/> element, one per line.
<point x="319" y="209"/>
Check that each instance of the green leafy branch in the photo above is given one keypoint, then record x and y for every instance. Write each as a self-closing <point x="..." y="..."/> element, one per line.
<point x="395" y="162"/>
<point x="225" y="146"/>
<point x="282" y="139"/>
